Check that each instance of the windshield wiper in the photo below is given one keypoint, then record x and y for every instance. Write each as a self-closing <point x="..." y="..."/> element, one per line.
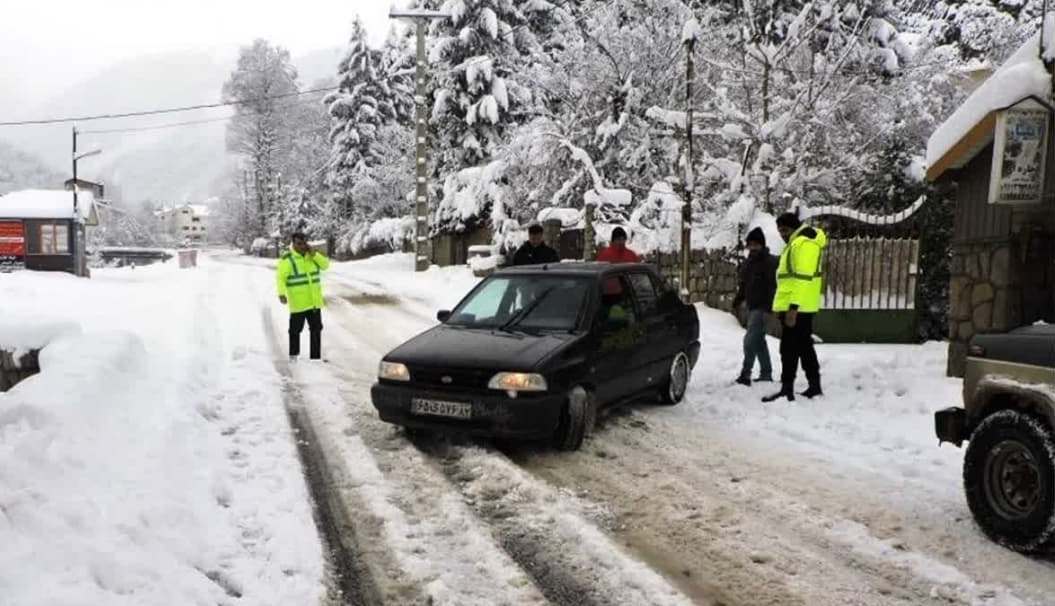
<point x="523" y="313"/>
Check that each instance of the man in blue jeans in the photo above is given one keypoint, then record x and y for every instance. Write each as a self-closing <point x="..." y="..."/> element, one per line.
<point x="758" y="284"/>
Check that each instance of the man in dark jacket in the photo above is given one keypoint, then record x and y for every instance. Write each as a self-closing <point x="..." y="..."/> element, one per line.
<point x="758" y="284"/>
<point x="535" y="251"/>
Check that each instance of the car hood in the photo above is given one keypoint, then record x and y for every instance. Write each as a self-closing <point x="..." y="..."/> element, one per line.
<point x="451" y="347"/>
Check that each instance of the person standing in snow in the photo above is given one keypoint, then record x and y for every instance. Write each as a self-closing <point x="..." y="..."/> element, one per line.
<point x="535" y="251"/>
<point x="616" y="251"/>
<point x="797" y="301"/>
<point x="299" y="283"/>
<point x="758" y="284"/>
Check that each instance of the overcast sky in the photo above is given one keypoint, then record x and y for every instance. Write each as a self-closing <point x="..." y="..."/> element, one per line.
<point x="45" y="44"/>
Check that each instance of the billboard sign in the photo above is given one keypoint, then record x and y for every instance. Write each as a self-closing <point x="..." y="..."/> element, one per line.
<point x="12" y="245"/>
<point x="1020" y="151"/>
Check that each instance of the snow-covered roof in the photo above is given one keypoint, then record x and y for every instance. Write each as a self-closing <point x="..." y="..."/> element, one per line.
<point x="970" y="128"/>
<point x="567" y="216"/>
<point x="48" y="204"/>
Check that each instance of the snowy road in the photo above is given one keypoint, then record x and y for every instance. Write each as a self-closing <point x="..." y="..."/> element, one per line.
<point x="845" y="500"/>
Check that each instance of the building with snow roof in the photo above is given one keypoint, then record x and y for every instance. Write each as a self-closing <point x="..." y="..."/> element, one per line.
<point x="995" y="154"/>
<point x="43" y="230"/>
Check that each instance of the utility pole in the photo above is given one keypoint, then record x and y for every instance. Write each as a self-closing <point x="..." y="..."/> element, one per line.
<point x="690" y="167"/>
<point x="422" y="258"/>
<point x="74" y="157"/>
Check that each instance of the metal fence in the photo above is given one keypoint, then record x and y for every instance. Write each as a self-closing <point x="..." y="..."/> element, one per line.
<point x="870" y="273"/>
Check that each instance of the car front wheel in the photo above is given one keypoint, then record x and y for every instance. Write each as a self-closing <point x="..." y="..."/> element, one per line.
<point x="576" y="420"/>
<point x="677" y="382"/>
<point x="1009" y="478"/>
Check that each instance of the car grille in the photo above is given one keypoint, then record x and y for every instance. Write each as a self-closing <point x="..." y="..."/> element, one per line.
<point x="450" y="378"/>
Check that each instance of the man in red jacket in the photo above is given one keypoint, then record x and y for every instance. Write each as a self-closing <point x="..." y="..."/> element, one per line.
<point x="617" y="252"/>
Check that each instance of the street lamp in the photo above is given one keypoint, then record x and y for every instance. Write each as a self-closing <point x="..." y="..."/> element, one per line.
<point x="76" y="157"/>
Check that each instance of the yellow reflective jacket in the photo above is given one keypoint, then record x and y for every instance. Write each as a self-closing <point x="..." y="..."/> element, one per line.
<point x="299" y="279"/>
<point x="799" y="280"/>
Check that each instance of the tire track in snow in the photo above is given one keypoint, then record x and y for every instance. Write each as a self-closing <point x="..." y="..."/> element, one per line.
<point x="354" y="584"/>
<point x="570" y="559"/>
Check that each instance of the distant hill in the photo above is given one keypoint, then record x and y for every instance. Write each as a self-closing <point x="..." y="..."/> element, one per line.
<point x="19" y="170"/>
<point x="168" y="165"/>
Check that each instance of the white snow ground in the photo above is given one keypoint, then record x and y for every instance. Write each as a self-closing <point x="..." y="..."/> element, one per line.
<point x="150" y="462"/>
<point x="842" y="500"/>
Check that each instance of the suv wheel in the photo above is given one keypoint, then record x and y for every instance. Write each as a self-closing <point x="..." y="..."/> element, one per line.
<point x="577" y="419"/>
<point x="678" y="381"/>
<point x="1009" y="478"/>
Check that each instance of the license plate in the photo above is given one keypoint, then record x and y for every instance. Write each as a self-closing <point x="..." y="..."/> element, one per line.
<point x="441" y="408"/>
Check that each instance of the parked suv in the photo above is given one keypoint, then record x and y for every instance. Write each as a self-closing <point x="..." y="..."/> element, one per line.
<point x="1009" y="419"/>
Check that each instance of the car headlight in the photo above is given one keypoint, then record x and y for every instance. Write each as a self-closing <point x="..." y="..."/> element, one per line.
<point x="393" y="371"/>
<point x="518" y="381"/>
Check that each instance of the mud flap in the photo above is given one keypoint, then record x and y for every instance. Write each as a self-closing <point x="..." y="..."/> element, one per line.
<point x="950" y="424"/>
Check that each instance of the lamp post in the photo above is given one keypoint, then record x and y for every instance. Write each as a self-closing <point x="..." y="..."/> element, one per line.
<point x="422" y="257"/>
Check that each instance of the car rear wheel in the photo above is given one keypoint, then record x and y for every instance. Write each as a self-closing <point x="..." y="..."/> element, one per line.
<point x="677" y="382"/>
<point x="1009" y="478"/>
<point x="577" y="419"/>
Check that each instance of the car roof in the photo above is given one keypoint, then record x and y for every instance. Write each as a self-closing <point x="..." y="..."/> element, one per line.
<point x="579" y="268"/>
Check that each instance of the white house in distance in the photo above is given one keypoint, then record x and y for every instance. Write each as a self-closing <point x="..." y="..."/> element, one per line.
<point x="185" y="222"/>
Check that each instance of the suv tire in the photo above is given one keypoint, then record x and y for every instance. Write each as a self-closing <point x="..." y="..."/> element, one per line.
<point x="677" y="381"/>
<point x="576" y="420"/>
<point x="1009" y="478"/>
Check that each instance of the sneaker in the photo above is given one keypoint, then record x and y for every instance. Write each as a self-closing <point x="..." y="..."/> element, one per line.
<point x="744" y="380"/>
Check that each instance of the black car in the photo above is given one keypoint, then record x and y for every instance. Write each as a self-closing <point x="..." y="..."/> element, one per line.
<point x="532" y="352"/>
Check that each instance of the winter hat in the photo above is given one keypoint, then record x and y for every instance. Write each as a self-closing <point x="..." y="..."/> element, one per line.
<point x="618" y="234"/>
<point x="756" y="235"/>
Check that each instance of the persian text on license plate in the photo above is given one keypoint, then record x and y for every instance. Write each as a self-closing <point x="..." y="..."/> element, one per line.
<point x="441" y="408"/>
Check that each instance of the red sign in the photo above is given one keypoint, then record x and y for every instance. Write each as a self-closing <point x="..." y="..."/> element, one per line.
<point x="12" y="239"/>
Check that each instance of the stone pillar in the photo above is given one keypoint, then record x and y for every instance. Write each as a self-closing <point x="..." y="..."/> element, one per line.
<point x="551" y="233"/>
<point x="589" y="245"/>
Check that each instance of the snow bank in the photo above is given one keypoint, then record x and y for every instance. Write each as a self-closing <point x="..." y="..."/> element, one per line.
<point x="1021" y="76"/>
<point x="150" y="461"/>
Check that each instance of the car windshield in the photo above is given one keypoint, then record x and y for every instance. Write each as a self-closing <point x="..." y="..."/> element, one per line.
<point x="524" y="302"/>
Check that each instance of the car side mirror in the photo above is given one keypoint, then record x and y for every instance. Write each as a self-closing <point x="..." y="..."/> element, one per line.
<point x="443" y="315"/>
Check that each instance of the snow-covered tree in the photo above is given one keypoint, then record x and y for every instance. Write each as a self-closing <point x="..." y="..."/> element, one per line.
<point x="263" y="82"/>
<point x="363" y="104"/>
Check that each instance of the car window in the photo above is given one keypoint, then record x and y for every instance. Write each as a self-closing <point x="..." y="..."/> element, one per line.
<point x="524" y="302"/>
<point x="645" y="291"/>
<point x="617" y="305"/>
<point x="484" y="305"/>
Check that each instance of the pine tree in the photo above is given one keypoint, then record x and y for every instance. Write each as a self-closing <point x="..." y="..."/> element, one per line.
<point x="363" y="104"/>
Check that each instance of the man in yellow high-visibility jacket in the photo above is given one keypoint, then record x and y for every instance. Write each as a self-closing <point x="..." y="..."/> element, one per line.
<point x="797" y="301"/>
<point x="299" y="283"/>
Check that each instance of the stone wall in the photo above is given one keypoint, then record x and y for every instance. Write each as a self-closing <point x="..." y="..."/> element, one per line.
<point x="982" y="296"/>
<point x="713" y="275"/>
<point x="13" y="370"/>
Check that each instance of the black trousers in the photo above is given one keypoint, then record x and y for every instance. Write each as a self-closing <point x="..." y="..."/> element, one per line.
<point x="296" y="326"/>
<point x="796" y="343"/>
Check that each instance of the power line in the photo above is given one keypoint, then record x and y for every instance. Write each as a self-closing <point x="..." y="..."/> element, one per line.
<point x="135" y="129"/>
<point x="170" y="110"/>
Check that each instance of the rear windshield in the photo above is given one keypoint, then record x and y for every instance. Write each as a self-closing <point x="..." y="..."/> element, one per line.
<point x="524" y="302"/>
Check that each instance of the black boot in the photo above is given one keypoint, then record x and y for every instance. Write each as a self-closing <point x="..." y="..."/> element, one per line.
<point x="786" y="391"/>
<point x="812" y="391"/>
<point x="744" y="379"/>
